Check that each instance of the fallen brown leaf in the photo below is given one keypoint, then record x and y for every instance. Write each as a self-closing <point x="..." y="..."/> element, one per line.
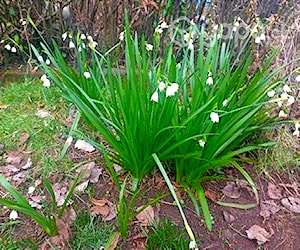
<point x="292" y="204"/>
<point x="24" y="137"/>
<point x="60" y="192"/>
<point x="232" y="190"/>
<point x="268" y="208"/>
<point x="14" y="157"/>
<point x="259" y="234"/>
<point x="228" y="217"/>
<point x="105" y="208"/>
<point x="146" y="217"/>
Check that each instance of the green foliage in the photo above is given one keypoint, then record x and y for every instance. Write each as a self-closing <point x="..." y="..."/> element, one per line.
<point x="195" y="115"/>
<point x="89" y="232"/>
<point x="166" y="235"/>
<point x="47" y="222"/>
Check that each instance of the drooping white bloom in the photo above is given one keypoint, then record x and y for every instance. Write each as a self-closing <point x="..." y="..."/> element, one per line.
<point x="161" y="86"/>
<point x="13" y="50"/>
<point x="154" y="97"/>
<point x="190" y="45"/>
<point x="149" y="46"/>
<point x="201" y="143"/>
<point x="47" y="62"/>
<point x="271" y="93"/>
<point x="214" y="117"/>
<point x="297" y="79"/>
<point x="7" y="46"/>
<point x="71" y="45"/>
<point x="93" y="44"/>
<point x="172" y="89"/>
<point x="257" y="40"/>
<point x="262" y="37"/>
<point x="82" y="36"/>
<point x="282" y="114"/>
<point x="159" y="30"/>
<point x="64" y="36"/>
<point x="284" y="96"/>
<point x="164" y="25"/>
<point x="225" y="102"/>
<point x="209" y="80"/>
<point x="47" y="83"/>
<point x="40" y="59"/>
<point x="234" y="29"/>
<point x="290" y="100"/>
<point x="193" y="245"/>
<point x="122" y="36"/>
<point x="13" y="215"/>
<point x="43" y="78"/>
<point x="30" y="190"/>
<point x="279" y="103"/>
<point x="286" y="88"/>
<point x="297" y="127"/>
<point x="87" y="75"/>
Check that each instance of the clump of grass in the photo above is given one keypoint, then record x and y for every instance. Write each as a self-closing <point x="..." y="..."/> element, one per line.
<point x="23" y="100"/>
<point x="166" y="235"/>
<point x="89" y="232"/>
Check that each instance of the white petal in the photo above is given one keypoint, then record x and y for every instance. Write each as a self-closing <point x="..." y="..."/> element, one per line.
<point x="71" y="45"/>
<point x="286" y="88"/>
<point x="69" y="141"/>
<point x="209" y="80"/>
<point x="257" y="40"/>
<point x="282" y="114"/>
<point x="7" y="46"/>
<point x="13" y="50"/>
<point x="40" y="59"/>
<point x="154" y="97"/>
<point x="271" y="93"/>
<point x="30" y="190"/>
<point x="161" y="86"/>
<point x="47" y="83"/>
<point x="225" y="102"/>
<point x="43" y="78"/>
<point x="13" y="215"/>
<point x="47" y="62"/>
<point x="64" y="36"/>
<point x="201" y="143"/>
<point x="214" y="117"/>
<point x="149" y="47"/>
<point x="172" y="89"/>
<point x="87" y="75"/>
<point x="297" y="79"/>
<point x="82" y="37"/>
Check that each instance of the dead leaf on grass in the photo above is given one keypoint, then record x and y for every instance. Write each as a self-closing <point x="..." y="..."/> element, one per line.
<point x="60" y="192"/>
<point x="105" y="208"/>
<point x="85" y="146"/>
<point x="268" y="208"/>
<point x="228" y="217"/>
<point x="14" y="157"/>
<point x="95" y="174"/>
<point x="232" y="190"/>
<point x="28" y="164"/>
<point x="146" y="217"/>
<point x="274" y="192"/>
<point x="82" y="186"/>
<point x="259" y="234"/>
<point x="292" y="204"/>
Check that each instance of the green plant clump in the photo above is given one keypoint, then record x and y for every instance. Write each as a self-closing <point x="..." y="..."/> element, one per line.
<point x="165" y="235"/>
<point x="89" y="232"/>
<point x="195" y="114"/>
